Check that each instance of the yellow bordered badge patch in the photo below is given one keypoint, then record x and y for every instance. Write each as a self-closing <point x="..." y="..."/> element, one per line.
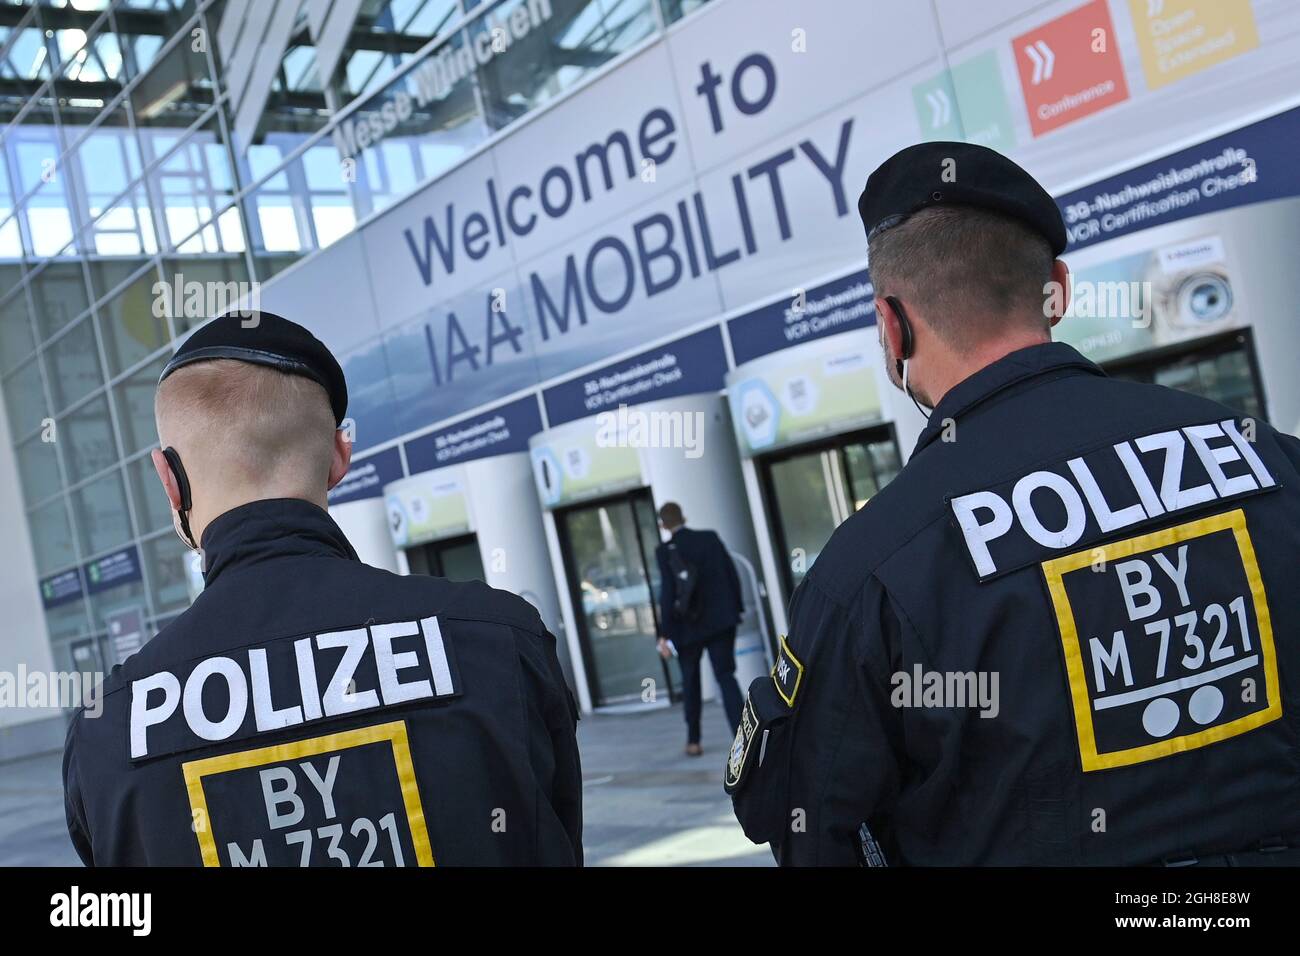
<point x="787" y="673"/>
<point x="342" y="799"/>
<point x="1167" y="639"/>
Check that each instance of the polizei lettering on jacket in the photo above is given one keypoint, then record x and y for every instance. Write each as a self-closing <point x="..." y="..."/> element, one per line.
<point x="273" y="686"/>
<point x="1084" y="499"/>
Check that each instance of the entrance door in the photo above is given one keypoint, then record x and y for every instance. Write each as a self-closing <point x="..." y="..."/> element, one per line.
<point x="613" y="577"/>
<point x="1222" y="368"/>
<point x="810" y="490"/>
<point x="456" y="559"/>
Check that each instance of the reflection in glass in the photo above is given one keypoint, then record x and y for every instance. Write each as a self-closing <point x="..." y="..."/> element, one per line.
<point x="11" y="240"/>
<point x="176" y="90"/>
<point x="304" y="206"/>
<point x="208" y="286"/>
<point x="1225" y="378"/>
<point x="126" y="229"/>
<point x="331" y="208"/>
<point x="72" y="365"/>
<point x="52" y="536"/>
<point x="49" y="220"/>
<point x="424" y="140"/>
<point x="86" y="437"/>
<point x="38" y="468"/>
<point x="385" y="35"/>
<point x="32" y="149"/>
<point x="814" y="491"/>
<point x="456" y="559"/>
<point x="17" y="339"/>
<point x="24" y="399"/>
<point x="617" y="588"/>
<point x="674" y="10"/>
<point x="58" y="296"/>
<point x="128" y="324"/>
<point x="164" y="561"/>
<point x="33" y="146"/>
<point x="26" y="57"/>
<point x="94" y="61"/>
<point x="105" y="161"/>
<point x="294" y="102"/>
<point x="192" y="183"/>
<point x="1218" y="369"/>
<point x="10" y="246"/>
<point x="869" y="466"/>
<point x="99" y="510"/>
<point x="805" y="493"/>
<point x="120" y="598"/>
<point x="106" y="275"/>
<point x="223" y="234"/>
<point x="143" y="26"/>
<point x="544" y="55"/>
<point x="134" y="397"/>
<point x="151" y="507"/>
<point x="67" y="620"/>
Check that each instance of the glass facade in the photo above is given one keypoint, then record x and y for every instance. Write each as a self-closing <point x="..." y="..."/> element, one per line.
<point x="151" y="147"/>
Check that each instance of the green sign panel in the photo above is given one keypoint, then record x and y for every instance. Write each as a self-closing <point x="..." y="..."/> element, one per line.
<point x="800" y="394"/>
<point x="967" y="103"/>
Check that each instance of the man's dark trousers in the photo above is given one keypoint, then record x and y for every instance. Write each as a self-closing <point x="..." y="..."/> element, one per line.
<point x="722" y="657"/>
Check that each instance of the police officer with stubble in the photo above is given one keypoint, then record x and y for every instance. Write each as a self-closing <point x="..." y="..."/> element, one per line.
<point x="1066" y="633"/>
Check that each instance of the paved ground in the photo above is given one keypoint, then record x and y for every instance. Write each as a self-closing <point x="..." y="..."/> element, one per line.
<point x="647" y="804"/>
<point x="32" y="831"/>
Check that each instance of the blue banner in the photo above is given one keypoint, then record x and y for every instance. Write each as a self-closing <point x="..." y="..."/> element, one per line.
<point x="695" y="363"/>
<point x="497" y="431"/>
<point x="120" y="567"/>
<point x="1249" y="165"/>
<point x="367" y="476"/>
<point x="848" y="302"/>
<point x="61" y="588"/>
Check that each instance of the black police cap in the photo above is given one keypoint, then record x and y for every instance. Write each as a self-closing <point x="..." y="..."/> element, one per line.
<point x="918" y="177"/>
<point x="264" y="338"/>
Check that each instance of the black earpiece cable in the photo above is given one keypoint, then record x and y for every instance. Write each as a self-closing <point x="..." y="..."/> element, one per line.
<point x="183" y="484"/>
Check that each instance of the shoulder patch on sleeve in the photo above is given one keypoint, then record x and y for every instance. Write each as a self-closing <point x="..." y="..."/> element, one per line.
<point x="787" y="673"/>
<point x="764" y="706"/>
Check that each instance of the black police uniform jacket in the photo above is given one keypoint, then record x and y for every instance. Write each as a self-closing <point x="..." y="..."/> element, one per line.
<point x="717" y="588"/>
<point x="1067" y="633"/>
<point x="311" y="710"/>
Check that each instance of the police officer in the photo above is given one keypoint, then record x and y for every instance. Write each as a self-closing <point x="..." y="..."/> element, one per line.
<point x="1067" y="632"/>
<point x="308" y="709"/>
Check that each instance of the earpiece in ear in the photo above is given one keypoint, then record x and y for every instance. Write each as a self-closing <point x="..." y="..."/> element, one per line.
<point x="178" y="472"/>
<point x="904" y="326"/>
<point x="183" y="486"/>
<point x="905" y="330"/>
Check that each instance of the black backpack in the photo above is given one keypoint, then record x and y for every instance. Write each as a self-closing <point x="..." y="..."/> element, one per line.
<point x="686" y="595"/>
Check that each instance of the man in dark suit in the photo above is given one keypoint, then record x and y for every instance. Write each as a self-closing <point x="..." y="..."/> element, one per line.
<point x="700" y="606"/>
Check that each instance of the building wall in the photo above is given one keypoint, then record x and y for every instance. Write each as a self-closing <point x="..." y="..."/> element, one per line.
<point x="151" y="176"/>
<point x="25" y="642"/>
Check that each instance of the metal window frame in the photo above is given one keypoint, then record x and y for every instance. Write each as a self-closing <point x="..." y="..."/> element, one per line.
<point x="31" y="266"/>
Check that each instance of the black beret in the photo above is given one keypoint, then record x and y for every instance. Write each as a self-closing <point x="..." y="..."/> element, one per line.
<point x="264" y="338"/>
<point x="942" y="174"/>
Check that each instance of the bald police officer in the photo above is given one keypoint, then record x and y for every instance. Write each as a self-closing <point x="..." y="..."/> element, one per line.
<point x="1067" y="632"/>
<point x="309" y="709"/>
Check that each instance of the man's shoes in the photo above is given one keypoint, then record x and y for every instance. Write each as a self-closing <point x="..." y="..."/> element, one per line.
<point x="694" y="750"/>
